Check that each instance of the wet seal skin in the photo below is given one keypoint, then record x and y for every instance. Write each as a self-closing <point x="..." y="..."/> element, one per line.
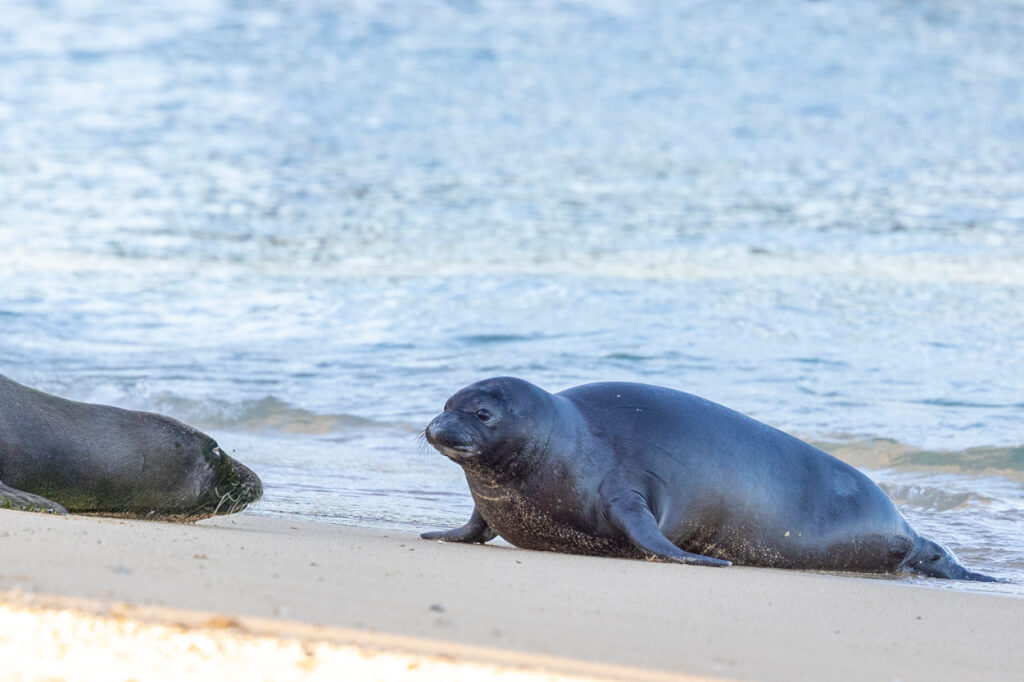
<point x="632" y="470"/>
<point x="58" y="455"/>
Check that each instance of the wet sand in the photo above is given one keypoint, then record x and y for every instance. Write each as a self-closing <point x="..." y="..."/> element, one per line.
<point x="326" y="599"/>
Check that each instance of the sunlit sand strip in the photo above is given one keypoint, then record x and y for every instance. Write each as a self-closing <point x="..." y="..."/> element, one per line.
<point x="58" y="638"/>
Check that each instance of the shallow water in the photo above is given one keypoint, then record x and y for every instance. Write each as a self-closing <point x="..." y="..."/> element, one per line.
<point x="302" y="227"/>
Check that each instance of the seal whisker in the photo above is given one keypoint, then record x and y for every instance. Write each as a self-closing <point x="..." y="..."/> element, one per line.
<point x="237" y="505"/>
<point x="219" y="503"/>
<point x="422" y="444"/>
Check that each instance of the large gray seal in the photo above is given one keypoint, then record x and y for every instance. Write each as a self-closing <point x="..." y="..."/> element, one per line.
<point x="631" y="470"/>
<point x="58" y="455"/>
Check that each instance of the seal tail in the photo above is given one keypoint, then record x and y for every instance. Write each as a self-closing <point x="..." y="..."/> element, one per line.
<point x="932" y="559"/>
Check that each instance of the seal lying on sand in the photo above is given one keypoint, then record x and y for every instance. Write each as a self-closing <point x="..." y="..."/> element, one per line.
<point x="630" y="470"/>
<point x="57" y="455"/>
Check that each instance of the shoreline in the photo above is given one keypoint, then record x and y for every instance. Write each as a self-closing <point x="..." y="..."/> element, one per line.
<point x="516" y="609"/>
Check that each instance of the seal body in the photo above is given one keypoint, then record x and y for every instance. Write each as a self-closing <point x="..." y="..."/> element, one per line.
<point x="60" y="455"/>
<point x="632" y="470"/>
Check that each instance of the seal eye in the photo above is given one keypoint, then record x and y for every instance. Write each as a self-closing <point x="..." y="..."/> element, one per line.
<point x="483" y="415"/>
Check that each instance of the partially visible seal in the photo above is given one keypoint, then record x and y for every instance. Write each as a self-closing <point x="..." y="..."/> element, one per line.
<point x="58" y="455"/>
<point x="631" y="470"/>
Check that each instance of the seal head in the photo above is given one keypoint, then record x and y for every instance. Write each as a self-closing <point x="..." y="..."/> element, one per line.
<point x="492" y="426"/>
<point x="60" y="455"/>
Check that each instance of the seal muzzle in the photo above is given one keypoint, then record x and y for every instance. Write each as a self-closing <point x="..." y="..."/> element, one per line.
<point x="449" y="435"/>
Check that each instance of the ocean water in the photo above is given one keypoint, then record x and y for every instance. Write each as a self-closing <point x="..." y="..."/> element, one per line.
<point x="301" y="226"/>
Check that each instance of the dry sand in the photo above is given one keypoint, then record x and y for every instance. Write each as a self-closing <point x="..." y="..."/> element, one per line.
<point x="316" y="601"/>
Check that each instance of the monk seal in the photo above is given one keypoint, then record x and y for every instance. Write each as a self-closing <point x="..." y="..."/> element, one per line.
<point x="632" y="470"/>
<point x="58" y="455"/>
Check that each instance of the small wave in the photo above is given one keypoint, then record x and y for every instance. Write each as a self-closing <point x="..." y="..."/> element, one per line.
<point x="881" y="453"/>
<point x="265" y="414"/>
<point x="818" y="362"/>
<point x="946" y="402"/>
<point x="484" y="339"/>
<point x="488" y="339"/>
<point x="970" y="460"/>
<point x="935" y="498"/>
<point x="335" y="259"/>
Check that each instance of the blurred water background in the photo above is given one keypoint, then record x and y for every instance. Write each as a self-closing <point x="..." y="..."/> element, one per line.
<point x="301" y="226"/>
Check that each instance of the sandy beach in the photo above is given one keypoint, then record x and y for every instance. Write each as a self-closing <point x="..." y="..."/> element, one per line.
<point x="344" y="596"/>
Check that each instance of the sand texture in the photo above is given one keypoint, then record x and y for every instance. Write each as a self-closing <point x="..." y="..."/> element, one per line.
<point x="255" y="588"/>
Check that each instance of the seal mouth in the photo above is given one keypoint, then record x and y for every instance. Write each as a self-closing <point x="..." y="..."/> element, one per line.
<point x="241" y="487"/>
<point x="235" y="487"/>
<point x="457" y="452"/>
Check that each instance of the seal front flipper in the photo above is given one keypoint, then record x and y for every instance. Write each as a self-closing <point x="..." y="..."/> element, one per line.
<point x="19" y="499"/>
<point x="475" y="530"/>
<point x="630" y="513"/>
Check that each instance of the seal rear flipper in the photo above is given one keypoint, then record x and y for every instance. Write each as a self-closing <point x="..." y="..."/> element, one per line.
<point x="932" y="559"/>
<point x="11" y="498"/>
<point x="631" y="514"/>
<point x="474" y="530"/>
